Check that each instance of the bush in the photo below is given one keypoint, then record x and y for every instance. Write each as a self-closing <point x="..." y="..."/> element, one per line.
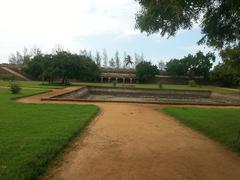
<point x="114" y="83"/>
<point x="15" y="88"/>
<point x="160" y="86"/>
<point x="192" y="83"/>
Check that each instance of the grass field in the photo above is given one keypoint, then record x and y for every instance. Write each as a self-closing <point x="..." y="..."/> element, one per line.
<point x="33" y="134"/>
<point x="222" y="125"/>
<point x="32" y="85"/>
<point x="168" y="86"/>
<point x="37" y="84"/>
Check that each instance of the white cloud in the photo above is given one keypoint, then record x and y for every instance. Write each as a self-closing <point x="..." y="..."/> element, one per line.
<point x="47" y="22"/>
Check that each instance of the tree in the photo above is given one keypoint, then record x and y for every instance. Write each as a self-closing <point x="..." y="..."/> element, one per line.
<point x="105" y="58"/>
<point x="231" y="57"/>
<point x="98" y="59"/>
<point x="117" y="60"/>
<point x="141" y="58"/>
<point x="175" y="67"/>
<point x="124" y="57"/>
<point x="20" y="59"/>
<point x="112" y="63"/>
<point x="145" y="71"/>
<point x="26" y="55"/>
<point x="219" y="19"/>
<point x="202" y="64"/>
<point x="62" y="65"/>
<point x="35" y="51"/>
<point x="227" y="73"/>
<point x="191" y="65"/>
<point x="223" y="75"/>
<point x="162" y="65"/>
<point x="57" y="48"/>
<point x="128" y="61"/>
<point x="16" y="58"/>
<point x="137" y="59"/>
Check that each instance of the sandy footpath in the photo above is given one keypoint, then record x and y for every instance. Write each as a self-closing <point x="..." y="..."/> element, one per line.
<point x="138" y="142"/>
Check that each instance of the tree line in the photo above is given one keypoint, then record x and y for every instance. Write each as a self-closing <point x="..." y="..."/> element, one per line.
<point x="101" y="59"/>
<point x="219" y="21"/>
<point x="60" y="65"/>
<point x="83" y="66"/>
<point x="191" y="65"/>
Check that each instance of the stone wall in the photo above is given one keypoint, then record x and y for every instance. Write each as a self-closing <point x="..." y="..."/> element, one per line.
<point x="165" y="93"/>
<point x="177" y="80"/>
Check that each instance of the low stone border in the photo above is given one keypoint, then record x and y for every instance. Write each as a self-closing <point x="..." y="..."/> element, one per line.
<point x="57" y="97"/>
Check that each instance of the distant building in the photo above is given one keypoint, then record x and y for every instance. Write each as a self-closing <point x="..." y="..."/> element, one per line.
<point x="118" y="75"/>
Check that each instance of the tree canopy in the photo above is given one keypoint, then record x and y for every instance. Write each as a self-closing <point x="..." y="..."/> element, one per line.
<point x="191" y="65"/>
<point x="219" y="19"/>
<point x="62" y="65"/>
<point x="145" y="71"/>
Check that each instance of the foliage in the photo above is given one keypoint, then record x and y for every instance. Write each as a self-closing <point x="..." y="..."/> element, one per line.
<point x="98" y="59"/>
<point x="40" y="85"/>
<point x="62" y="65"/>
<point x="145" y="71"/>
<point x="220" y="124"/>
<point x="223" y="75"/>
<point x="176" y="67"/>
<point x="128" y="61"/>
<point x="112" y="63"/>
<point x="15" y="88"/>
<point x="191" y="65"/>
<point x="162" y="65"/>
<point x="160" y="85"/>
<point x="219" y="19"/>
<point x="138" y="59"/>
<point x="227" y="73"/>
<point x="33" y="134"/>
<point x="231" y="57"/>
<point x="117" y="60"/>
<point x="105" y="58"/>
<point x="19" y="58"/>
<point x="114" y="83"/>
<point x="192" y="83"/>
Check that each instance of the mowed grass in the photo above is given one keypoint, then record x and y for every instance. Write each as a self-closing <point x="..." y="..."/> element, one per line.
<point x="32" y="85"/>
<point x="167" y="86"/>
<point x="40" y="85"/>
<point x="222" y="125"/>
<point x="33" y="134"/>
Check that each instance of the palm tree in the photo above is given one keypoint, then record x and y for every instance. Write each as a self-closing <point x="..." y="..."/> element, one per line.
<point x="128" y="61"/>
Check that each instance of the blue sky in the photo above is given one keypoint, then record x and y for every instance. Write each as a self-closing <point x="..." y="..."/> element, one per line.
<point x="91" y="25"/>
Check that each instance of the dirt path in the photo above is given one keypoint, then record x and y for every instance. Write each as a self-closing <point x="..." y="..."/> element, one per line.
<point x="137" y="142"/>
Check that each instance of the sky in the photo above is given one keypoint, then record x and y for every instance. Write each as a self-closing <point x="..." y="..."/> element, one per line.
<point x="86" y="24"/>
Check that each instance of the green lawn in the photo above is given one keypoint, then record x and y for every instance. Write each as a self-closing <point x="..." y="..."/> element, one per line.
<point x="168" y="86"/>
<point x="37" y="85"/>
<point x="33" y="134"/>
<point x="222" y="125"/>
<point x="32" y="85"/>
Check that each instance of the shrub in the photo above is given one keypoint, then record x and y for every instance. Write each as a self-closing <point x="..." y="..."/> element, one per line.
<point x="160" y="86"/>
<point x="192" y="83"/>
<point x="114" y="83"/>
<point x="15" y="88"/>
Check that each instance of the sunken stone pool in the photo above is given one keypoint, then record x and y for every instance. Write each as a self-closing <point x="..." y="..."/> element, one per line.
<point x="152" y="96"/>
<point x="134" y="95"/>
